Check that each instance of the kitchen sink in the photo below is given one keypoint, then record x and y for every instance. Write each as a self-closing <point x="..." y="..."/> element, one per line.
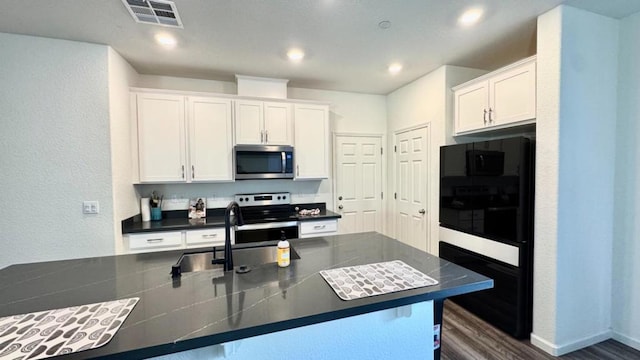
<point x="244" y="258"/>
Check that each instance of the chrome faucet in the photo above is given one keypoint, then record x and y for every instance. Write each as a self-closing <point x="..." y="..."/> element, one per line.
<point x="228" y="254"/>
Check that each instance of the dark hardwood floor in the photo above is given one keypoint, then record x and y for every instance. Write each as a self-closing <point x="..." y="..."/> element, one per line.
<point x="465" y="337"/>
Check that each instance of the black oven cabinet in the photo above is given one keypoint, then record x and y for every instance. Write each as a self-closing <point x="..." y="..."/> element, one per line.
<point x="486" y="197"/>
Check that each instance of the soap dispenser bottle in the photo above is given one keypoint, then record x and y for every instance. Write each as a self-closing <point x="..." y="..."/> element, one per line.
<point x="283" y="251"/>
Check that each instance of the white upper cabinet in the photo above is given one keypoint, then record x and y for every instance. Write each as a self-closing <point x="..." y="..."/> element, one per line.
<point x="210" y="139"/>
<point x="278" y="124"/>
<point x="260" y="122"/>
<point x="161" y="136"/>
<point x="311" y="150"/>
<point x="173" y="147"/>
<point x="504" y="98"/>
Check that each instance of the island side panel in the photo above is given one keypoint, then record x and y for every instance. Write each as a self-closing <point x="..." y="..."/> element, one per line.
<point x="398" y="333"/>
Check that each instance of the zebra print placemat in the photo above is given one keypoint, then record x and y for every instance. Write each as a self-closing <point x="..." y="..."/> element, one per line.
<point x="354" y="282"/>
<point x="44" y="334"/>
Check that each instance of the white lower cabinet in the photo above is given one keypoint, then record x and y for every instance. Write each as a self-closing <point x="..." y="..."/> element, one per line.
<point x="208" y="237"/>
<point x="156" y="241"/>
<point x="307" y="229"/>
<point x="174" y="240"/>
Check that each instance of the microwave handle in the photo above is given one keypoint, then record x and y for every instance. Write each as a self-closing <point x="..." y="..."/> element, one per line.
<point x="284" y="161"/>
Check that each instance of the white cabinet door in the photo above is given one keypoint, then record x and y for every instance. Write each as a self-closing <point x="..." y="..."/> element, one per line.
<point x="208" y="237"/>
<point x="307" y="229"/>
<point x="471" y="106"/>
<point x="512" y="95"/>
<point x="311" y="123"/>
<point x="210" y="139"/>
<point x="501" y="99"/>
<point x="278" y="127"/>
<point x="146" y="242"/>
<point x="249" y="122"/>
<point x="161" y="137"/>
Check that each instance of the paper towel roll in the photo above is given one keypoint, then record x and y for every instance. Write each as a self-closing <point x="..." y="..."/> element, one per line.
<point x="145" y="211"/>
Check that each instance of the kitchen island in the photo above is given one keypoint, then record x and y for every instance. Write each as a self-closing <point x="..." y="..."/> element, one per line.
<point x="205" y="308"/>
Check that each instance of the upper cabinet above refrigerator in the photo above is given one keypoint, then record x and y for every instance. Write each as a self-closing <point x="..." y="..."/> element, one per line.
<point x="501" y="99"/>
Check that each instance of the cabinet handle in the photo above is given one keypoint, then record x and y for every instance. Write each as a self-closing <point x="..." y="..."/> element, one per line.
<point x="266" y="136"/>
<point x="490" y="117"/>
<point x="318" y="227"/>
<point x="209" y="236"/>
<point x="193" y="172"/>
<point x="155" y="240"/>
<point x="261" y="136"/>
<point x="484" y="116"/>
<point x="297" y="170"/>
<point x="183" y="171"/>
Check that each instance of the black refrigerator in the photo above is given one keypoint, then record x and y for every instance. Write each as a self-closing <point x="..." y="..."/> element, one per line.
<point x="486" y="191"/>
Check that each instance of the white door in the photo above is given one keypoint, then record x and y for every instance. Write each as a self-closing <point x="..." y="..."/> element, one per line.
<point x="278" y="124"/>
<point x="249" y="122"/>
<point x="513" y="95"/>
<point x="471" y="107"/>
<point x="311" y="138"/>
<point x="411" y="188"/>
<point x="359" y="183"/>
<point x="161" y="137"/>
<point x="210" y="139"/>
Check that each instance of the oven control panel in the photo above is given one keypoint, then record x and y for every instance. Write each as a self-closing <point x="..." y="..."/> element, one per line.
<point x="263" y="199"/>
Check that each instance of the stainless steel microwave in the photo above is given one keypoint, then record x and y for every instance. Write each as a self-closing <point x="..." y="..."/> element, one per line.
<point x="263" y="162"/>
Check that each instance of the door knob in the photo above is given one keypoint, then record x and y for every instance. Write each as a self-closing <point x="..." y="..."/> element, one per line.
<point x="340" y="207"/>
<point x="422" y="211"/>
<point x="339" y="197"/>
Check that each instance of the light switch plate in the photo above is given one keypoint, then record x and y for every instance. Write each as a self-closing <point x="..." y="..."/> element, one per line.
<point x="90" y="207"/>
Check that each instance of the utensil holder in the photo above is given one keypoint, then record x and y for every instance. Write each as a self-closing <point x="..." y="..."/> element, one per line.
<point x="156" y="213"/>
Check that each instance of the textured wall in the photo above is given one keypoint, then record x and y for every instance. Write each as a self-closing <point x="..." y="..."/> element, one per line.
<point x="55" y="150"/>
<point x="425" y="100"/>
<point x="545" y="262"/>
<point x="626" y="246"/>
<point x="576" y="145"/>
<point x="125" y="201"/>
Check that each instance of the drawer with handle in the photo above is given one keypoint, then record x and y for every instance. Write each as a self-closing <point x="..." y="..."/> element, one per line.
<point x="212" y="236"/>
<point x="158" y="240"/>
<point x="317" y="228"/>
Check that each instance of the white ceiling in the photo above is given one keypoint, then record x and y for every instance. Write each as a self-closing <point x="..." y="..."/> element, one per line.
<point x="346" y="50"/>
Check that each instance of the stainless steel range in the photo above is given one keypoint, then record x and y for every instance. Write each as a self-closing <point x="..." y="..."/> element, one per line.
<point x="266" y="217"/>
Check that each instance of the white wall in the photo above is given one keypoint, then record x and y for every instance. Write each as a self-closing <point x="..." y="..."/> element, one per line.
<point x="577" y="85"/>
<point x="427" y="100"/>
<point x="349" y="112"/>
<point x="626" y="245"/>
<point x="55" y="150"/>
<point x="125" y="202"/>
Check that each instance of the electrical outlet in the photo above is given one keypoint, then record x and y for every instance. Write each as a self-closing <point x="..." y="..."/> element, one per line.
<point x="90" y="207"/>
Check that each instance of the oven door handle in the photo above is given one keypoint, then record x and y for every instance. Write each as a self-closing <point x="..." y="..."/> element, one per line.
<point x="270" y="225"/>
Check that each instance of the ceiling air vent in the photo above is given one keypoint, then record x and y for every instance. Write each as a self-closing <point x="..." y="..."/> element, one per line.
<point x="157" y="12"/>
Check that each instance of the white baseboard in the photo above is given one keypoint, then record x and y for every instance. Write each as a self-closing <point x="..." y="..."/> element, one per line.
<point x="629" y="341"/>
<point x="559" y="350"/>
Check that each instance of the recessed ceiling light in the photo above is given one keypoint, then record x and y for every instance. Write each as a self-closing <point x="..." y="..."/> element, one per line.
<point x="295" y="54"/>
<point x="470" y="17"/>
<point x="395" y="68"/>
<point x="166" y="40"/>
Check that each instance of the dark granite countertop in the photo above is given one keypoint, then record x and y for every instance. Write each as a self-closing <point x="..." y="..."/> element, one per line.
<point x="200" y="309"/>
<point x="178" y="221"/>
